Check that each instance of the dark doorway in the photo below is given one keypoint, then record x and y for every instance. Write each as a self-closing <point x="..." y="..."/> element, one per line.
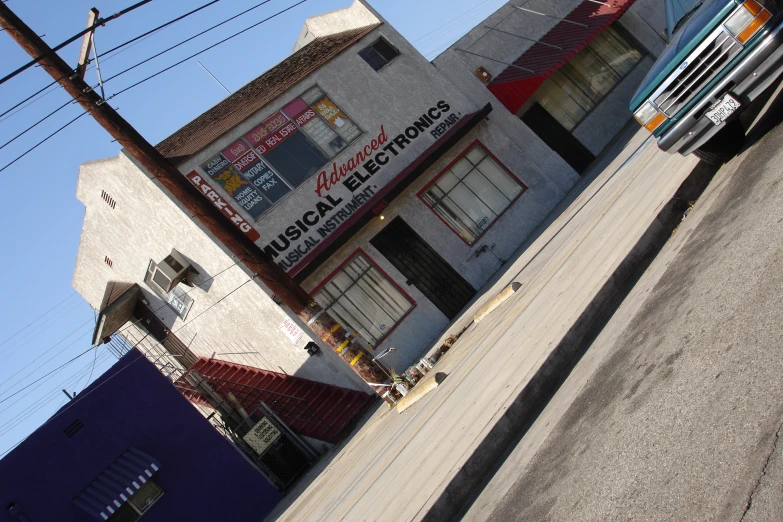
<point x="423" y="267"/>
<point x="558" y="138"/>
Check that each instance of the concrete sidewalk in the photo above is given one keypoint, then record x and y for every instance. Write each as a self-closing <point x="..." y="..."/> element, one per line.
<point x="423" y="464"/>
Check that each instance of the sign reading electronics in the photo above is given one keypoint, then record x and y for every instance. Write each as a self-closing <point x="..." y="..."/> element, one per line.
<point x="342" y="189"/>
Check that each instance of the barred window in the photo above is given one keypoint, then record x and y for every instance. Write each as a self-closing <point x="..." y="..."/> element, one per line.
<point x="360" y="297"/>
<point x="471" y="194"/>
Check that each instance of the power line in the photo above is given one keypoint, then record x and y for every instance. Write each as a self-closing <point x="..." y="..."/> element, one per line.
<point x="133" y="41"/>
<point x="38" y="318"/>
<point x="135" y="322"/>
<point x="20" y="370"/>
<point x="143" y="35"/>
<point x="31" y="127"/>
<point x="51" y="372"/>
<point x="79" y="397"/>
<point x="98" y="22"/>
<point x="28" y="151"/>
<point x="31" y="335"/>
<point x="205" y="31"/>
<point x="141" y="356"/>
<point x="161" y="71"/>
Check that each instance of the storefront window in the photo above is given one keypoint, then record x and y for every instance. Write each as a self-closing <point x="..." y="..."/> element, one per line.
<point x="579" y="85"/>
<point x="362" y="298"/>
<point x="471" y="194"/>
<point x="274" y="158"/>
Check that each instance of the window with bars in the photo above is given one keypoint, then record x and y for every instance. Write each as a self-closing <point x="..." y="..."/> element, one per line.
<point x="360" y="297"/>
<point x="472" y="193"/>
<point x="379" y="54"/>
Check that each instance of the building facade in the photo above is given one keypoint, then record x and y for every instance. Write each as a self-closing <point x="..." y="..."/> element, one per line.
<point x="390" y="187"/>
<point x="130" y="447"/>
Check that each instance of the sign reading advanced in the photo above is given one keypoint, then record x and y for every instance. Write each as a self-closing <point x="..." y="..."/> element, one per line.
<point x="342" y="189"/>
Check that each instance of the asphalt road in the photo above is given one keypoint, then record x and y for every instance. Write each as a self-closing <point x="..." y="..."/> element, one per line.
<point x="676" y="410"/>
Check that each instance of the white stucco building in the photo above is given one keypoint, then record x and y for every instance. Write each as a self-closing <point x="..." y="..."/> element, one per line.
<point x="389" y="186"/>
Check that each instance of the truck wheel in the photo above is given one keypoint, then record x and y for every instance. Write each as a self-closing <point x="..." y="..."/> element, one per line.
<point x="723" y="146"/>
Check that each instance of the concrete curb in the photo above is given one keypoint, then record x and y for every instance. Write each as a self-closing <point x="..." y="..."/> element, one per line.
<point x="419" y="391"/>
<point x="496" y="301"/>
<point x="465" y="486"/>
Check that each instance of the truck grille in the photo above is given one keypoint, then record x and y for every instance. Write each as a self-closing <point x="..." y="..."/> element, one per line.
<point x="703" y="65"/>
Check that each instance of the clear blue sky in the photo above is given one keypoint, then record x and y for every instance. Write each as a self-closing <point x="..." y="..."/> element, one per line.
<point x="42" y="217"/>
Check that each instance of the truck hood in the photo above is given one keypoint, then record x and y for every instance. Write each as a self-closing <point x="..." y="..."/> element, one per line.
<point x="703" y="21"/>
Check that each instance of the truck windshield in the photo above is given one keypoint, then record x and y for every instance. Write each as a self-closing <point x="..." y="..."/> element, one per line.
<point x="676" y="10"/>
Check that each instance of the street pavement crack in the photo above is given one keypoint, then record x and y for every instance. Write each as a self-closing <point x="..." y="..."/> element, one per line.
<point x="749" y="503"/>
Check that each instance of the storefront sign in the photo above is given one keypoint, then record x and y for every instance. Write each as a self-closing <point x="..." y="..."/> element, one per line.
<point x="291" y="330"/>
<point x="262" y="435"/>
<point x="238" y="221"/>
<point x="343" y="188"/>
<point x="223" y="172"/>
<point x="260" y="175"/>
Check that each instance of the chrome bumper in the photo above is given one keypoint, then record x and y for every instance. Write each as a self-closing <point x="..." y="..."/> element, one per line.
<point x="746" y="82"/>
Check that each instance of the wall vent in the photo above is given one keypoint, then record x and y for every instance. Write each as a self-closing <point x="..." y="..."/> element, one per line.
<point x="108" y="261"/>
<point x="73" y="427"/>
<point x="108" y="199"/>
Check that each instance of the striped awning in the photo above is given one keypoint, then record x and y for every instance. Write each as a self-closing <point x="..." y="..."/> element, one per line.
<point x="514" y="86"/>
<point x="114" y="486"/>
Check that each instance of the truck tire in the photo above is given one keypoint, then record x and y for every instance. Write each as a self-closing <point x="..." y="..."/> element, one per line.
<point x="723" y="146"/>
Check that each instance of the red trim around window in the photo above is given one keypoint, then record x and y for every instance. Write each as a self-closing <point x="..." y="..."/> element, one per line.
<point x="442" y="172"/>
<point x="360" y="251"/>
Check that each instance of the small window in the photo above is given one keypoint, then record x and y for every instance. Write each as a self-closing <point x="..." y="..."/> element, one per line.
<point x="177" y="299"/>
<point x="472" y="193"/>
<point x="379" y="54"/>
<point x="138" y="503"/>
<point x="362" y="298"/>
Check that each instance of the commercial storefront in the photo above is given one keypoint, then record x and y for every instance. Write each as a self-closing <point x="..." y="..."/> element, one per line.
<point x="391" y="189"/>
<point x="566" y="68"/>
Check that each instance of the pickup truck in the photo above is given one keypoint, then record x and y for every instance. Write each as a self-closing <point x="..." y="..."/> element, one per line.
<point x="722" y="55"/>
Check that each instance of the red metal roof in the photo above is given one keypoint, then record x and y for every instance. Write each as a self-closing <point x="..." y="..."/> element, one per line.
<point x="514" y="86"/>
<point x="311" y="408"/>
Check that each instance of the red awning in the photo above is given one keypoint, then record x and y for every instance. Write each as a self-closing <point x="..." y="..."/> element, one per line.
<point x="514" y="86"/>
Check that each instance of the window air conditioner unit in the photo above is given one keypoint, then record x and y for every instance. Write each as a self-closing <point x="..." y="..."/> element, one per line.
<point x="171" y="271"/>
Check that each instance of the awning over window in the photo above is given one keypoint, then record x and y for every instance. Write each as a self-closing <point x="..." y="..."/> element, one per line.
<point x="114" y="486"/>
<point x="119" y="299"/>
<point x="514" y="86"/>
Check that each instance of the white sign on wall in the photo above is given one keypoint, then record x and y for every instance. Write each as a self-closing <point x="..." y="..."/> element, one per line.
<point x="330" y="198"/>
<point x="291" y="330"/>
<point x="263" y="435"/>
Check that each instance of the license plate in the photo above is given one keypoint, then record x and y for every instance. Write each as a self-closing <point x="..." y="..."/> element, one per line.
<point x="723" y="109"/>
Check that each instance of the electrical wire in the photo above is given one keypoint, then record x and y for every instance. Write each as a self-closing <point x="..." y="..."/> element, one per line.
<point x="21" y="342"/>
<point x="98" y="22"/>
<point x="161" y="71"/>
<point x="37" y="318"/>
<point x="141" y="356"/>
<point x="154" y="311"/>
<point x="205" y="31"/>
<point x="51" y="372"/>
<point x="143" y="35"/>
<point x="134" y="40"/>
<point x="34" y="125"/>
<point x="28" y="151"/>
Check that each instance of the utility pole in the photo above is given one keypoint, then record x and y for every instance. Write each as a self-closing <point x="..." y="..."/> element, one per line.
<point x="201" y="210"/>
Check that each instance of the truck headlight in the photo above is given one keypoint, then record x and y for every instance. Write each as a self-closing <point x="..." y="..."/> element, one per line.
<point x="649" y="116"/>
<point x="747" y="20"/>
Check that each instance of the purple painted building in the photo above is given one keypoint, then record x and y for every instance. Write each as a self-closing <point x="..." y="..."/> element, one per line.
<point x="131" y="447"/>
